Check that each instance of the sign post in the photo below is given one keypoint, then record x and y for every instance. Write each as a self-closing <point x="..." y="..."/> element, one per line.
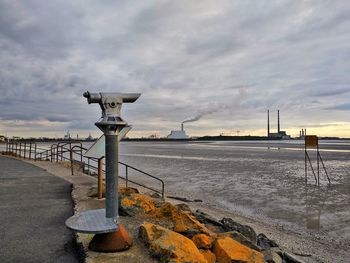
<point x="311" y="142"/>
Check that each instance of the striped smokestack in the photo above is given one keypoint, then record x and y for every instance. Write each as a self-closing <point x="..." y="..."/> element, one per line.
<point x="278" y="121"/>
<point x="268" y="123"/>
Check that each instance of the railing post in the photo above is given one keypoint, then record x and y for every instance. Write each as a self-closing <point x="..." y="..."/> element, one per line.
<point x="61" y="152"/>
<point x="35" y="152"/>
<point x="57" y="154"/>
<point x="30" y="151"/>
<point x="99" y="182"/>
<point x="88" y="166"/>
<point x="318" y="167"/>
<point x="25" y="149"/>
<point x="126" y="176"/>
<point x="71" y="161"/>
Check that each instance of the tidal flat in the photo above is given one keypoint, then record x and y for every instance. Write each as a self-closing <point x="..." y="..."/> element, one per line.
<point x="262" y="180"/>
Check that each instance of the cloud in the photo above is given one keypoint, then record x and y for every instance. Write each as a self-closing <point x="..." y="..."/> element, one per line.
<point x="185" y="58"/>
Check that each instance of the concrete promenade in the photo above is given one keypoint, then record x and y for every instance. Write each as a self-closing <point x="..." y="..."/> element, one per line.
<point x="34" y="206"/>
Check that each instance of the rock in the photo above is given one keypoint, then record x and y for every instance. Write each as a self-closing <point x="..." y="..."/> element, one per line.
<point x="137" y="204"/>
<point x="228" y="250"/>
<point x="169" y="246"/>
<point x="229" y="225"/>
<point x="239" y="238"/>
<point x="184" y="208"/>
<point x="155" y="195"/>
<point x="203" y="241"/>
<point x="208" y="255"/>
<point x="183" y="199"/>
<point x="271" y="257"/>
<point x="128" y="191"/>
<point x="264" y="242"/>
<point x="285" y="256"/>
<point x="184" y="223"/>
<point x="205" y="218"/>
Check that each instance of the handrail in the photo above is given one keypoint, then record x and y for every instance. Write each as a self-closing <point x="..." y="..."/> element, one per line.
<point x="57" y="151"/>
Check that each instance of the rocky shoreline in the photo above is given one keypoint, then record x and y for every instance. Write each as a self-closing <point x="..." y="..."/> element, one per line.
<point x="168" y="227"/>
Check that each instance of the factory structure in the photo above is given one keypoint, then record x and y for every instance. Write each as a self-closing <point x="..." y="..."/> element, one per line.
<point x="178" y="135"/>
<point x="282" y="135"/>
<point x="279" y="134"/>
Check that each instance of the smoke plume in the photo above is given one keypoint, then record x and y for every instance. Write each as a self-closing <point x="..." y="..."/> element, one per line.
<point x="216" y="107"/>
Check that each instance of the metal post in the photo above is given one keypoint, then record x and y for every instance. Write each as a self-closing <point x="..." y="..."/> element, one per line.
<point x="30" y="151"/>
<point x="111" y="175"/>
<point x="57" y="154"/>
<point x="305" y="165"/>
<point x="71" y="161"/>
<point x="99" y="182"/>
<point x="126" y="176"/>
<point x="20" y="149"/>
<point x="35" y="152"/>
<point x="25" y="149"/>
<point x="318" y="167"/>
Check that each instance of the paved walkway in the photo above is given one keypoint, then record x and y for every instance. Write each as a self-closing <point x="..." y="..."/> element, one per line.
<point x="33" y="208"/>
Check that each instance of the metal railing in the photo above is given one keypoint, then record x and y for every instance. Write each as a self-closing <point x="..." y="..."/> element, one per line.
<point x="73" y="152"/>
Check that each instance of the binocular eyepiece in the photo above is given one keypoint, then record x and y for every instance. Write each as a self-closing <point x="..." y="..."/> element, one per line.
<point x="120" y="97"/>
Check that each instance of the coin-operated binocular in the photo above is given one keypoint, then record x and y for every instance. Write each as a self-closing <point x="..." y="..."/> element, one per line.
<point x="111" y="104"/>
<point x="110" y="235"/>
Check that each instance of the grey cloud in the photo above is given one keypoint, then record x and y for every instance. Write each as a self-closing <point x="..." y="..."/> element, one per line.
<point x="183" y="56"/>
<point x="341" y="107"/>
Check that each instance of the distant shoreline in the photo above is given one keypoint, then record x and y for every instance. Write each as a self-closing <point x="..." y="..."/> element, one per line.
<point x="203" y="138"/>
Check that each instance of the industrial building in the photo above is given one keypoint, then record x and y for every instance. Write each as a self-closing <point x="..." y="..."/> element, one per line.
<point x="279" y="134"/>
<point x="178" y="135"/>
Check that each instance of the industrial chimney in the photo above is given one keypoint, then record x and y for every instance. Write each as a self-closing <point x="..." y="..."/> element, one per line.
<point x="278" y="121"/>
<point x="182" y="126"/>
<point x="268" y="123"/>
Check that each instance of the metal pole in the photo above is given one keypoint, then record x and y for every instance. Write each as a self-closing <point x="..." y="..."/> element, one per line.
<point x="20" y="149"/>
<point x="99" y="182"/>
<point x="35" y="152"/>
<point x="305" y="164"/>
<point x="57" y="154"/>
<point x="30" y="151"/>
<point x="111" y="175"/>
<point x="25" y="149"/>
<point x="318" y="167"/>
<point x="126" y="176"/>
<point x="71" y="161"/>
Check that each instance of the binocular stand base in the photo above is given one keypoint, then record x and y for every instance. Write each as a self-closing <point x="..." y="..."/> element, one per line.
<point x="111" y="242"/>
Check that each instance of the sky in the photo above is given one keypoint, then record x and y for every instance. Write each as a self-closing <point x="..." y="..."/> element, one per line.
<point x="224" y="61"/>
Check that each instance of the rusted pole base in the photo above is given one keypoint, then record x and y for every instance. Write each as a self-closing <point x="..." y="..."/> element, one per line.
<point x="111" y="242"/>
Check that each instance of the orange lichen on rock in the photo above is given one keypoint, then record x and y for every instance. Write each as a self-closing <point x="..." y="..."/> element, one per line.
<point x="138" y="204"/>
<point x="203" y="241"/>
<point x="208" y="255"/>
<point x="228" y="250"/>
<point x="169" y="246"/>
<point x="183" y="221"/>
